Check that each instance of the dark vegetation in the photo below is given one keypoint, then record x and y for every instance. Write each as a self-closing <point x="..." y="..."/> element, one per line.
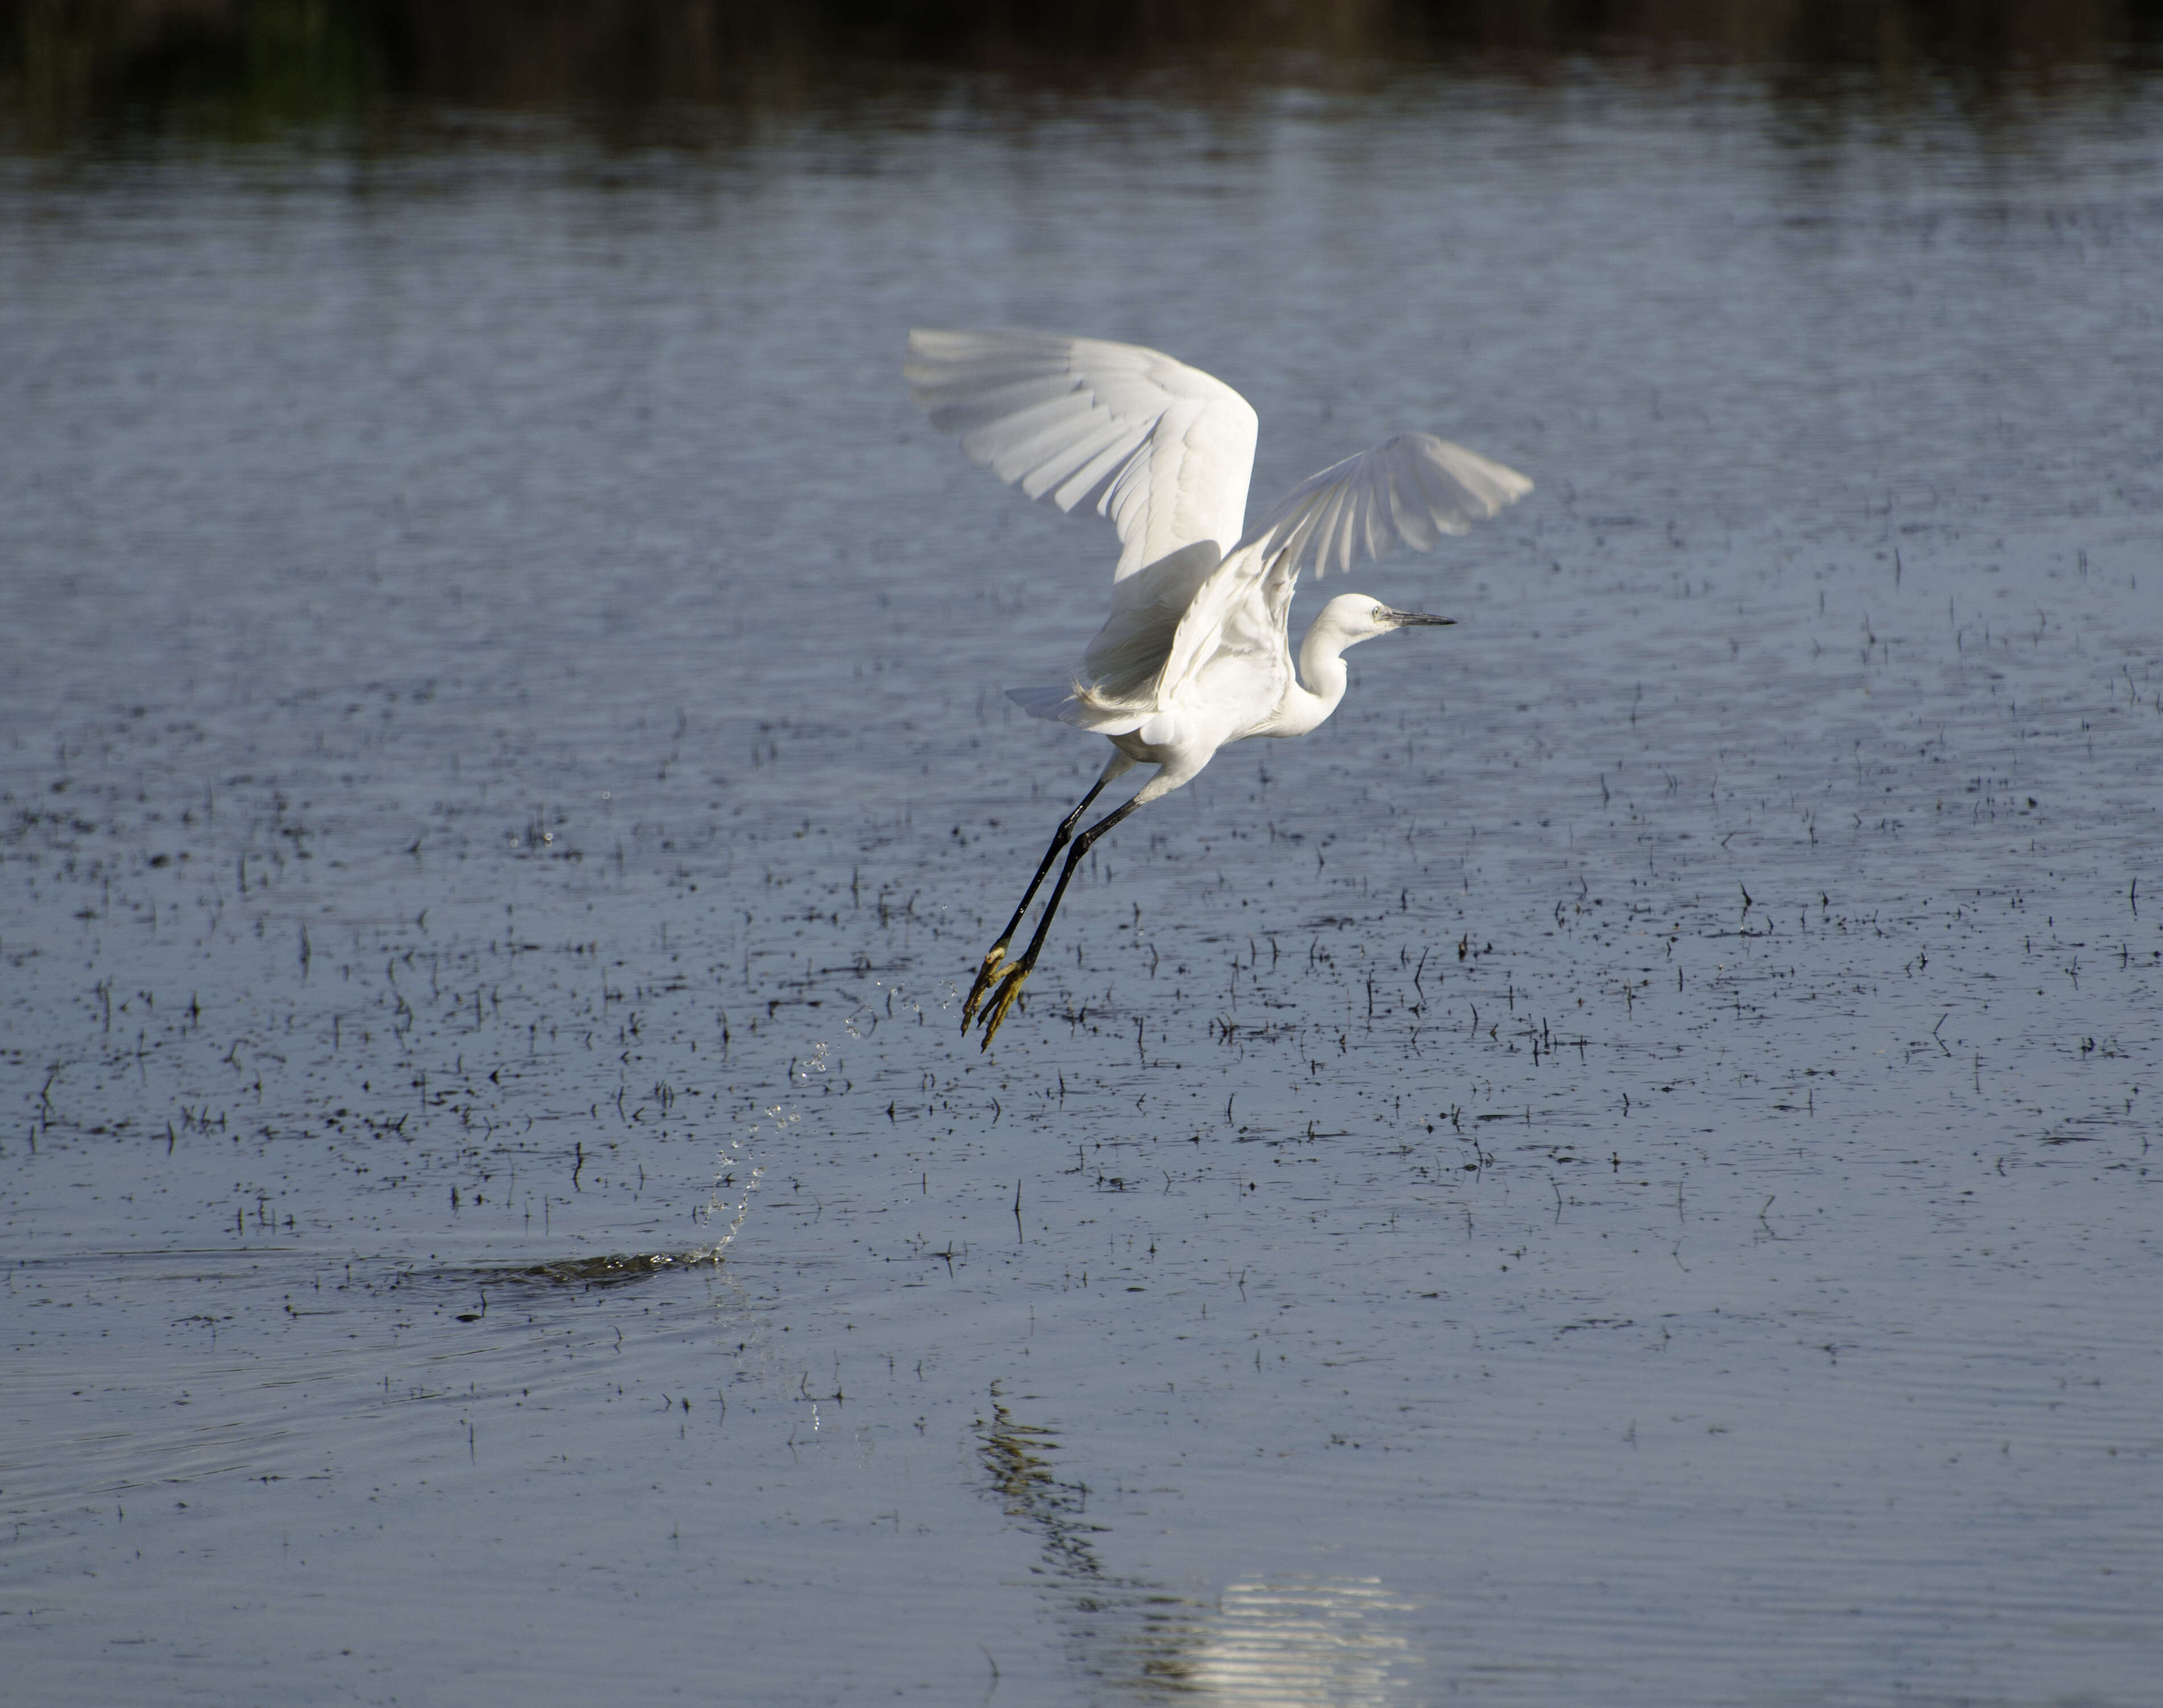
<point x="75" y="73"/>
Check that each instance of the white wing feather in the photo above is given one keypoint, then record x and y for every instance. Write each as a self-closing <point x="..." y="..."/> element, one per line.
<point x="1407" y="491"/>
<point x="1164" y="450"/>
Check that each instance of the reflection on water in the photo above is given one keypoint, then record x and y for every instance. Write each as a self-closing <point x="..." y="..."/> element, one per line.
<point x="1123" y="1632"/>
<point x="1014" y="1453"/>
<point x="1298" y="1641"/>
<point x="1303" y="1643"/>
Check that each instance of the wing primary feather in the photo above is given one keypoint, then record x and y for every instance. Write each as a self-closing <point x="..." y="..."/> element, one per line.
<point x="1014" y="446"/>
<point x="1414" y="516"/>
<point x="1376" y="524"/>
<point x="1445" y="494"/>
<point x="1067" y="459"/>
<point x="1335" y="550"/>
<point x="1099" y="469"/>
<point x="960" y="409"/>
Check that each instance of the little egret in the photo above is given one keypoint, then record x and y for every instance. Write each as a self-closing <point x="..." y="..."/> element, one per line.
<point x="1194" y="655"/>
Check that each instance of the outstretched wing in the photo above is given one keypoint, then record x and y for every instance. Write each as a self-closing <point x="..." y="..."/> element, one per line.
<point x="1407" y="491"/>
<point x="1162" y="449"/>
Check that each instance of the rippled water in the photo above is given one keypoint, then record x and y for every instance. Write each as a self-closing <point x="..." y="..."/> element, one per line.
<point x="1619" y="1170"/>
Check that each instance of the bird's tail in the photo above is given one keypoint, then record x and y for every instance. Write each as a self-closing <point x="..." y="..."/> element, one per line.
<point x="1119" y="688"/>
<point x="1080" y="706"/>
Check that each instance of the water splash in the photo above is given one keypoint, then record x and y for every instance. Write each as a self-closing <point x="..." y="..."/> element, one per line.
<point x="730" y="1198"/>
<point x="894" y="1003"/>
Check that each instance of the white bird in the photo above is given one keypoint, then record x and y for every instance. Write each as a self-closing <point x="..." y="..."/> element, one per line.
<point x="1194" y="655"/>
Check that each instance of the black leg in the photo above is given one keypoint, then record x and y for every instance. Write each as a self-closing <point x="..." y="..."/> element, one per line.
<point x="1010" y="985"/>
<point x="998" y="952"/>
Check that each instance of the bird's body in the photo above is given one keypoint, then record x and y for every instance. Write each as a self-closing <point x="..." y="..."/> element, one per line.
<point x="1196" y="653"/>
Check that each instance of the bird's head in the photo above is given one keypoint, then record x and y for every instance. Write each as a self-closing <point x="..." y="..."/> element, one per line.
<point x="1357" y="617"/>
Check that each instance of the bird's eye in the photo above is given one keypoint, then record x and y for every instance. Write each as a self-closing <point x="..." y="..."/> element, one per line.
<point x="1381" y="613"/>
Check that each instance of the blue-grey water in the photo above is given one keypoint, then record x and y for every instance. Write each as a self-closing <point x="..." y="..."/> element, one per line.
<point x="1619" y="1170"/>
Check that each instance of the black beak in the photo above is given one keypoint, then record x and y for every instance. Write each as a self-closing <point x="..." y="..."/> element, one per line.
<point x="1407" y="619"/>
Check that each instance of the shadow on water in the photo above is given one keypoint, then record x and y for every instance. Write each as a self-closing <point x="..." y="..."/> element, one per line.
<point x="616" y="1270"/>
<point x="709" y="73"/>
<point x="605" y="1271"/>
<point x="1270" y="1642"/>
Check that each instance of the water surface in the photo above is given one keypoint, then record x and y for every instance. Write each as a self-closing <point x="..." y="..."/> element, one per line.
<point x="1619" y="1170"/>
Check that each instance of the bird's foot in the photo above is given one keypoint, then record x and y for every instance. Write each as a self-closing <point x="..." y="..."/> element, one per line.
<point x="1009" y="988"/>
<point x="985" y="974"/>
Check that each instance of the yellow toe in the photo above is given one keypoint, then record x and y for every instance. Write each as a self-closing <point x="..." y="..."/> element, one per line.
<point x="1003" y="1002"/>
<point x="993" y="957"/>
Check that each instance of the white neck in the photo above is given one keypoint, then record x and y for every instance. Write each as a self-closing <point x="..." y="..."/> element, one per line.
<point x="1307" y="703"/>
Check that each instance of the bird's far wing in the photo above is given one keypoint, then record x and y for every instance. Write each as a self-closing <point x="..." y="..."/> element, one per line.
<point x="1127" y="656"/>
<point x="1407" y="491"/>
<point x="1229" y="611"/>
<point x="1162" y="449"/>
